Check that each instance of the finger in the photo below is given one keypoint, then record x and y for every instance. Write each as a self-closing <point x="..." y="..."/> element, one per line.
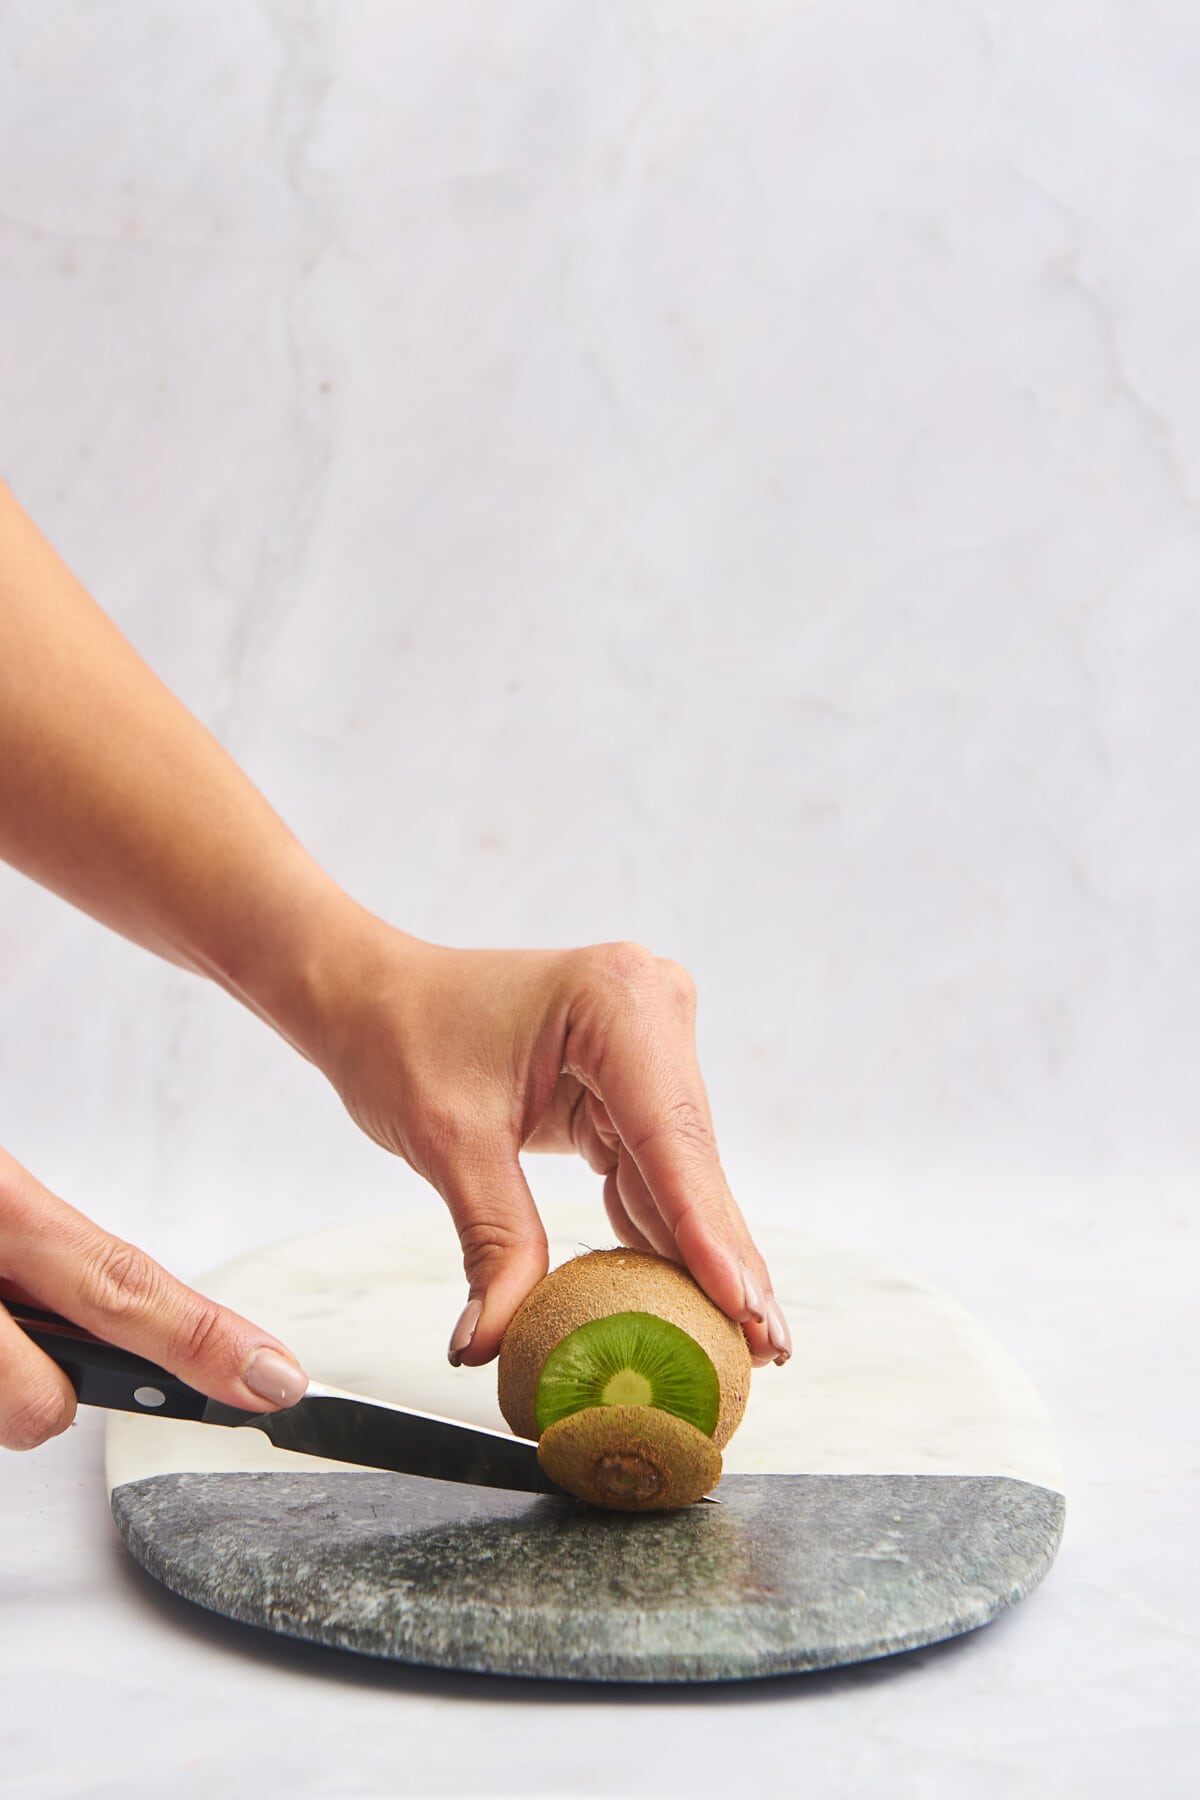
<point x="504" y="1247"/>
<point x="37" y="1402"/>
<point x="763" y="1323"/>
<point x="593" y="1135"/>
<point x="631" y="1041"/>
<point x="641" y="1210"/>
<point x="13" y="1291"/>
<point x="625" y="1216"/>
<point x="626" y="1231"/>
<point x="627" y="1200"/>
<point x="635" y="1219"/>
<point x="118" y="1292"/>
<point x="650" y="1226"/>
<point x="556" y="1130"/>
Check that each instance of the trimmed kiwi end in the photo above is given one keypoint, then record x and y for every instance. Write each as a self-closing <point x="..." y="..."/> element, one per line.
<point x="630" y="1458"/>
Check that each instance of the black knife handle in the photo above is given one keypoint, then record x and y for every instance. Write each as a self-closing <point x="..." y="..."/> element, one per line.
<point x="102" y="1374"/>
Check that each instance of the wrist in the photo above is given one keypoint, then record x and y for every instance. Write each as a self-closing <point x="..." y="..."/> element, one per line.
<point x="305" y="958"/>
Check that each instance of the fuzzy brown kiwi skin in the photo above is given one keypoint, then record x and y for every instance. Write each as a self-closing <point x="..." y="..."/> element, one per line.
<point x="630" y="1458"/>
<point x="602" y="1282"/>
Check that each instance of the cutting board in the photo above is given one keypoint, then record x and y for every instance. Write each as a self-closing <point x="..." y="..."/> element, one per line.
<point x="895" y="1484"/>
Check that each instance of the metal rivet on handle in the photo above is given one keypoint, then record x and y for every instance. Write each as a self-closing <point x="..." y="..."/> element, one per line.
<point x="149" y="1396"/>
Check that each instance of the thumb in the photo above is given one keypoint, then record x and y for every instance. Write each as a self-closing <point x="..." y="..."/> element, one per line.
<point x="503" y="1244"/>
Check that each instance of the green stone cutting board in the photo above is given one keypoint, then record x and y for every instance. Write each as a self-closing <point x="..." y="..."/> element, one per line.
<point x="896" y="1484"/>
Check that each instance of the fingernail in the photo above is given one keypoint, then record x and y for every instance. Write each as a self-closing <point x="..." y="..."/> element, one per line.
<point x="464" y="1331"/>
<point x="272" y="1377"/>
<point x="778" y="1335"/>
<point x="752" y="1298"/>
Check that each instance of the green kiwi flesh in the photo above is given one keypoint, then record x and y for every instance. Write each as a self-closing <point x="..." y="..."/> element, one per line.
<point x="630" y="1458"/>
<point x="630" y="1359"/>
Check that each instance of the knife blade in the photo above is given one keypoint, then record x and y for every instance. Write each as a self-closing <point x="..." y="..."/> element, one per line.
<point x="346" y="1427"/>
<point x="327" y="1422"/>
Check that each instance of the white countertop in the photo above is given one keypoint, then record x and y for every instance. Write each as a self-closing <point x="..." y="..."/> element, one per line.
<point x="726" y="475"/>
<point x="110" y="1687"/>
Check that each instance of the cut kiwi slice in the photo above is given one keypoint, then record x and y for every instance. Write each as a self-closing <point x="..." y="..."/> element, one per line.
<point x="630" y="1458"/>
<point x="629" y="1359"/>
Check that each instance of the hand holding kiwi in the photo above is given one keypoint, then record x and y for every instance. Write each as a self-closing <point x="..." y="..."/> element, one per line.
<point x="461" y="1061"/>
<point x="629" y="1377"/>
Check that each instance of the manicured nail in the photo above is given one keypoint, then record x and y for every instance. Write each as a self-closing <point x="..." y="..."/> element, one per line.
<point x="752" y="1300"/>
<point x="272" y="1377"/>
<point x="778" y="1335"/>
<point x="464" y="1331"/>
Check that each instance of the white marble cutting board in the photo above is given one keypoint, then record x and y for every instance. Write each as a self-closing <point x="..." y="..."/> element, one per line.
<point x="889" y="1374"/>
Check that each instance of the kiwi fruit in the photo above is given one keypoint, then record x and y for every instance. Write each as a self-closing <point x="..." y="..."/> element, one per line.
<point x="630" y="1377"/>
<point x="630" y="1458"/>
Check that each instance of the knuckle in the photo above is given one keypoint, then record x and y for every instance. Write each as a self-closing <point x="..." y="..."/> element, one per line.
<point x="119" y="1280"/>
<point x="682" y="1121"/>
<point x="691" y="1121"/>
<point x="39" y="1416"/>
<point x="201" y="1336"/>
<point x="679" y="984"/>
<point x="487" y="1244"/>
<point x="626" y="965"/>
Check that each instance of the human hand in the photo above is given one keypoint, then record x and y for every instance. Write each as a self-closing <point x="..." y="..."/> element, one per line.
<point x="52" y="1256"/>
<point x="457" y="1060"/>
<point x="115" y="797"/>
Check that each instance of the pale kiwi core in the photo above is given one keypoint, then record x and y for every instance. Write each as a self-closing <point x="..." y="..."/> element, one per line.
<point x="627" y="1388"/>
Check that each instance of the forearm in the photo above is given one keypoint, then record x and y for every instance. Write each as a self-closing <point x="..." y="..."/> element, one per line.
<point x="117" y="798"/>
<point x="112" y="794"/>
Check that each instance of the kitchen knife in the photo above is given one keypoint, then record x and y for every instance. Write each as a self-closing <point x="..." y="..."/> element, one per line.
<point x="326" y="1422"/>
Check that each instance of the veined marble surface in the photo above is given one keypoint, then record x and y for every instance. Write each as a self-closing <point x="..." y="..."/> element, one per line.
<point x="719" y="472"/>
<point x="889" y="1375"/>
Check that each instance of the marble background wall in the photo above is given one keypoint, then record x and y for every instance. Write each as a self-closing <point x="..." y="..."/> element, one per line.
<point x="725" y="474"/>
<point x="720" y="472"/>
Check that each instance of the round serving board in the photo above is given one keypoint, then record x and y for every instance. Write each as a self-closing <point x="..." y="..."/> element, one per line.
<point x="897" y="1483"/>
